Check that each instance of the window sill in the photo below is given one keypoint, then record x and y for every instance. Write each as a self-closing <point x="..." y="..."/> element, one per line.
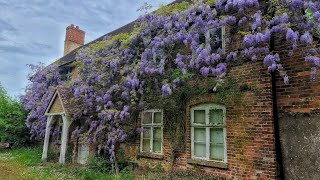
<point x="150" y="155"/>
<point x="220" y="165"/>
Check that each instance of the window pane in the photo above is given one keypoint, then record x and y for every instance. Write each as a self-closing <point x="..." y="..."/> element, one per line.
<point x="146" y="117"/>
<point x="199" y="134"/>
<point x="157" y="133"/>
<point x="215" y="39"/>
<point x="146" y="133"/>
<point x="157" y="146"/>
<point x="216" y="136"/>
<point x="199" y="116"/>
<point x="199" y="150"/>
<point x="157" y="117"/>
<point x="146" y="145"/>
<point x="216" y="144"/>
<point x="216" y="116"/>
<point x="216" y="152"/>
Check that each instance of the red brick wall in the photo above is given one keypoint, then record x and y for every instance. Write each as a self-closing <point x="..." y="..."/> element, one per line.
<point x="301" y="95"/>
<point x="250" y="135"/>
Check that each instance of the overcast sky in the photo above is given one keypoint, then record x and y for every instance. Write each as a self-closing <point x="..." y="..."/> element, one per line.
<point x="33" y="31"/>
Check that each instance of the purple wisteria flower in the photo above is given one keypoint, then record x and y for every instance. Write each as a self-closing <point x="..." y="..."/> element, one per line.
<point x="306" y="38"/>
<point x="166" y="90"/>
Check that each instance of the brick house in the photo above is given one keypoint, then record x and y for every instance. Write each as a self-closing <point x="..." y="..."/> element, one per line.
<point x="248" y="137"/>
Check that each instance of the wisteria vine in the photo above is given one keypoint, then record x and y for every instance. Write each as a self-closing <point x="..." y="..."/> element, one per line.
<point x="38" y="95"/>
<point x="164" y="52"/>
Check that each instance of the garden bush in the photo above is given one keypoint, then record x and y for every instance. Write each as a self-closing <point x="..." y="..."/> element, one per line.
<point x="12" y="121"/>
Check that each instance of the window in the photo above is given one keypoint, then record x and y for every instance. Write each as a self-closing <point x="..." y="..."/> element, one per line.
<point x="208" y="133"/>
<point x="215" y="39"/>
<point x="158" y="55"/>
<point x="66" y="73"/>
<point x="151" y="137"/>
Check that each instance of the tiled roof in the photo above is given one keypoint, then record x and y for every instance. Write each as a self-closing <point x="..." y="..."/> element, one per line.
<point x="65" y="95"/>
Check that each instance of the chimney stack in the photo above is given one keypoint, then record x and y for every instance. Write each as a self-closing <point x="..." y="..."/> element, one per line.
<point x="74" y="38"/>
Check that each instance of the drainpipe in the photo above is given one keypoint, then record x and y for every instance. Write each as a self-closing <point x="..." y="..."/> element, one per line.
<point x="276" y="128"/>
<point x="280" y="172"/>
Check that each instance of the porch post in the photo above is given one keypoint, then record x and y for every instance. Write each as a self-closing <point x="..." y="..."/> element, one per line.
<point x="46" y="139"/>
<point x="64" y="138"/>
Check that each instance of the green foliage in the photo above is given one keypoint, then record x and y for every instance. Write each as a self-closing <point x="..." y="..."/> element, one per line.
<point x="100" y="164"/>
<point x="210" y="2"/>
<point x="309" y="14"/>
<point x="12" y="120"/>
<point x="121" y="37"/>
<point x="126" y="174"/>
<point x="228" y="92"/>
<point x="98" y="46"/>
<point x="158" y="168"/>
<point x="168" y="10"/>
<point x="177" y="74"/>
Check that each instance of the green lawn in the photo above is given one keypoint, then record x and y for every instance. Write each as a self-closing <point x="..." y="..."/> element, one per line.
<point x="25" y="163"/>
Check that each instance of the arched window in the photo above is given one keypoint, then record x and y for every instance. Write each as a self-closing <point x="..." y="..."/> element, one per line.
<point x="152" y="135"/>
<point x="208" y="132"/>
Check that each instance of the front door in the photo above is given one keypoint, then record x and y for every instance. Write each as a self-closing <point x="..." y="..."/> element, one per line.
<point x="83" y="153"/>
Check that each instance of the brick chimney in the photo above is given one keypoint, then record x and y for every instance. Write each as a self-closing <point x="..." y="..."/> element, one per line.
<point x="74" y="38"/>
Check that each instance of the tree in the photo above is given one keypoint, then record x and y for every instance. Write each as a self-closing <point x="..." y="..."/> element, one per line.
<point x="12" y="120"/>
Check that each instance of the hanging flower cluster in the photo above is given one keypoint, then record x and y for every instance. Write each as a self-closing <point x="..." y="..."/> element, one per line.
<point x="38" y="95"/>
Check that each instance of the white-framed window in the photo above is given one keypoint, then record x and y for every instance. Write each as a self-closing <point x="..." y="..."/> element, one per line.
<point x="208" y="132"/>
<point x="152" y="134"/>
<point x="215" y="38"/>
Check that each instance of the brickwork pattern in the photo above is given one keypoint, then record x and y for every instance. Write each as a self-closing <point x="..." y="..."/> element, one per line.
<point x="74" y="38"/>
<point x="301" y="95"/>
<point x="250" y="135"/>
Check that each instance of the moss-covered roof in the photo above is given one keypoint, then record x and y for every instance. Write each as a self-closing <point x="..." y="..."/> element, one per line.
<point x="70" y="57"/>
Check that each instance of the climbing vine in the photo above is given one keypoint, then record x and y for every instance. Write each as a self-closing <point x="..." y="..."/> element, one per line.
<point x="153" y="65"/>
<point x="38" y="95"/>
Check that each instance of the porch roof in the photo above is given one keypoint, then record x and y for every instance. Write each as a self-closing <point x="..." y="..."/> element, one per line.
<point x="60" y="102"/>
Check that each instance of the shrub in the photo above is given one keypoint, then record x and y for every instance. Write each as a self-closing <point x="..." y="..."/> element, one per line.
<point x="100" y="164"/>
<point x="12" y="121"/>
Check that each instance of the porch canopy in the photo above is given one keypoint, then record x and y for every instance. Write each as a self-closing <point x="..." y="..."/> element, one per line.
<point x="58" y="106"/>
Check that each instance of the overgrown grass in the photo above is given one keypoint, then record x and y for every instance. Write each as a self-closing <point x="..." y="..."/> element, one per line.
<point x="25" y="163"/>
